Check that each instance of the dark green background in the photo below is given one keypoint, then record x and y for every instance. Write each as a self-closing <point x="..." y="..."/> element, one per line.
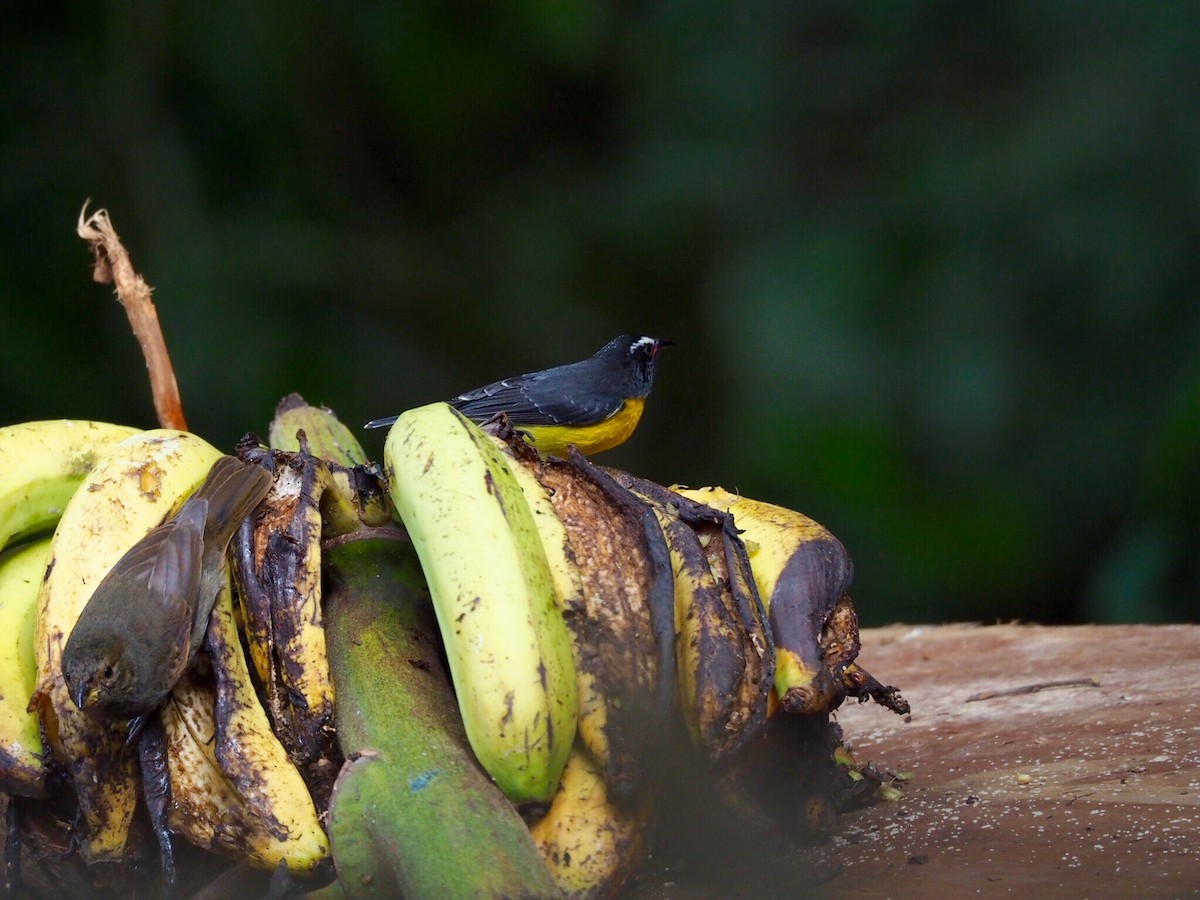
<point x="931" y="267"/>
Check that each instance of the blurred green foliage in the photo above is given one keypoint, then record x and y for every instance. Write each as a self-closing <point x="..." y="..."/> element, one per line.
<point x="932" y="267"/>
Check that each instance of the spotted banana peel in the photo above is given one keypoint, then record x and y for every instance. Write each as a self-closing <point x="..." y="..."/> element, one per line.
<point x="507" y="645"/>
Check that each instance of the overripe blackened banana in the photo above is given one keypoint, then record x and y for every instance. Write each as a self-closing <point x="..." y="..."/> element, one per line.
<point x="622" y="623"/>
<point x="802" y="572"/>
<point x="508" y="649"/>
<point x="253" y="760"/>
<point x="138" y="484"/>
<point x="277" y="553"/>
<point x="278" y="556"/>
<point x="725" y="656"/>
<point x="591" y="845"/>
<point x="205" y="808"/>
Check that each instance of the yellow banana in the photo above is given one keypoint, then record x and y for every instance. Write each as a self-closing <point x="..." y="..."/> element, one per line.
<point x="591" y="845"/>
<point x="21" y="571"/>
<point x="802" y="571"/>
<point x="568" y="589"/>
<point x="134" y="488"/>
<point x="506" y="642"/>
<point x="41" y="465"/>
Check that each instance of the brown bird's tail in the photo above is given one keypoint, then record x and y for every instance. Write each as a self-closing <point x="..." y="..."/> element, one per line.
<point x="229" y="494"/>
<point x="233" y="488"/>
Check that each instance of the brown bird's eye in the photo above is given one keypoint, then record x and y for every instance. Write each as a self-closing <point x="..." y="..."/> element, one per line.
<point x="108" y="671"/>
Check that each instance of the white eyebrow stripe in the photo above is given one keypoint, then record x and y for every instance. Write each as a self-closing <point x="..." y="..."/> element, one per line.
<point x="641" y="342"/>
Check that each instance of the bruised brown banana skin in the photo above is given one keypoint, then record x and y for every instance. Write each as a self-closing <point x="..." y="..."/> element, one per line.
<point x="732" y="662"/>
<point x="623" y="627"/>
<point x="278" y="570"/>
<point x="810" y="585"/>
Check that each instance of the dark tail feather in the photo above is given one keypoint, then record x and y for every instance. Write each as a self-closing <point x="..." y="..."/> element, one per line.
<point x="233" y="488"/>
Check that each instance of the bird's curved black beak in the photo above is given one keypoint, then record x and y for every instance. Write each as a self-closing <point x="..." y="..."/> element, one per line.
<point x="659" y="343"/>
<point x="80" y="695"/>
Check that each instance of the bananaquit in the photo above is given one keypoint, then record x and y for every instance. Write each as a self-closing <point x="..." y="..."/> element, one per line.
<point x="594" y="404"/>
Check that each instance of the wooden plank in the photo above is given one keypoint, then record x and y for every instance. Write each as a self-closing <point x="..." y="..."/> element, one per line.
<point x="1090" y="788"/>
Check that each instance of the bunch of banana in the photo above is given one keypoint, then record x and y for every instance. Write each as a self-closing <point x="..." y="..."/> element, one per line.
<point x="578" y="608"/>
<point x="230" y="784"/>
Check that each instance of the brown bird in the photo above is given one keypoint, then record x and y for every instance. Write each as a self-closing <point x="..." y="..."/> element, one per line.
<point x="147" y="618"/>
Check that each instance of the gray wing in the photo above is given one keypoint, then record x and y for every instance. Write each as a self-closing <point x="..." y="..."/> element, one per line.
<point x="567" y="394"/>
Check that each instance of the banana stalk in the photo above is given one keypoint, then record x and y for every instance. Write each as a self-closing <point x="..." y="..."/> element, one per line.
<point x="411" y="815"/>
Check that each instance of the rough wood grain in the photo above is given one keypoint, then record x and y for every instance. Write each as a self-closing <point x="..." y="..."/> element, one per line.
<point x="1069" y="791"/>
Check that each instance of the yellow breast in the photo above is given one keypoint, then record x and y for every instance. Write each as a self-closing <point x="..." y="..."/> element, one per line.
<point x="590" y="439"/>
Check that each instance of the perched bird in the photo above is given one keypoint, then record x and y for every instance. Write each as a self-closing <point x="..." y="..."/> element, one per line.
<point x="595" y="403"/>
<point x="147" y="618"/>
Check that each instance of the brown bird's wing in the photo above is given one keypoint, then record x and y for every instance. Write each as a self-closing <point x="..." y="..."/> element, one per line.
<point x="233" y="488"/>
<point x="229" y="494"/>
<point x="168" y="562"/>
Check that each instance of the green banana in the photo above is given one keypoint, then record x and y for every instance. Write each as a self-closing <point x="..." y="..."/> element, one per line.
<point x="506" y="642"/>
<point x="42" y="464"/>
<point x="21" y="572"/>
<point x="411" y="814"/>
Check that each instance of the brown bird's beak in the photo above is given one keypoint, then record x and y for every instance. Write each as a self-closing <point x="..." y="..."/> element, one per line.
<point x="85" y="695"/>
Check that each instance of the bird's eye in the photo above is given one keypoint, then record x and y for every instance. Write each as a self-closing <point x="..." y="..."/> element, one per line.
<point x="108" y="672"/>
<point x="67" y="677"/>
